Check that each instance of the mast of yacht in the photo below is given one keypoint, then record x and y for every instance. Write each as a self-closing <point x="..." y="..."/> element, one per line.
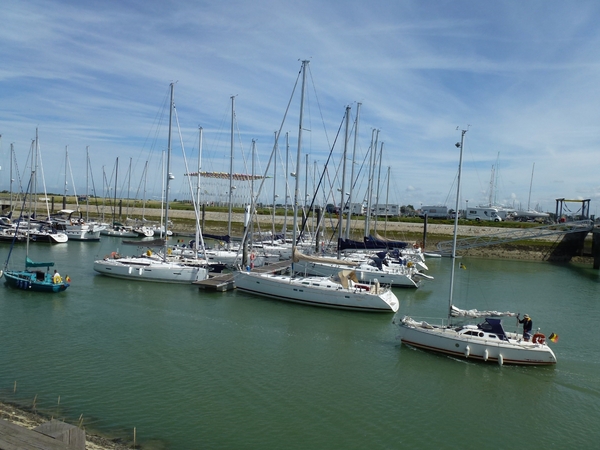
<point x="298" y="155"/>
<point x="530" y="184"/>
<point x="374" y="139"/>
<point x="387" y="200"/>
<point x="343" y="193"/>
<point x="169" y="175"/>
<point x="286" y="191"/>
<point x="378" y="186"/>
<point x="66" y="182"/>
<point x="12" y="151"/>
<point x="144" y="197"/>
<point x="460" y="145"/>
<point x="231" y="173"/>
<point x="276" y="152"/>
<point x="33" y="183"/>
<point x="115" y="193"/>
<point x="198" y="200"/>
<point x="350" y="195"/>
<point x="87" y="176"/>
<point x="248" y="223"/>
<point x="128" y="187"/>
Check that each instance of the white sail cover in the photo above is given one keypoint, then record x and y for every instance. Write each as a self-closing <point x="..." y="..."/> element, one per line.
<point x="457" y="312"/>
<point x="299" y="256"/>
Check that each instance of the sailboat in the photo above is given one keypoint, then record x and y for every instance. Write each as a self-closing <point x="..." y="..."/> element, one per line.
<point x="486" y="341"/>
<point x="72" y="221"/>
<point x="154" y="266"/>
<point x="41" y="230"/>
<point x="343" y="291"/>
<point x="30" y="278"/>
<point x="367" y="267"/>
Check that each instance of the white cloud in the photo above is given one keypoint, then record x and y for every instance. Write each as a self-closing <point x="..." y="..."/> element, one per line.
<point x="522" y="75"/>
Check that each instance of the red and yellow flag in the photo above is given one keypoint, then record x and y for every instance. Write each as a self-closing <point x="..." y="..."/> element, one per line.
<point x="553" y="337"/>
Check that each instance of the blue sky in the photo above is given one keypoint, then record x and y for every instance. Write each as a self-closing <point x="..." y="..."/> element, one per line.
<point x="522" y="76"/>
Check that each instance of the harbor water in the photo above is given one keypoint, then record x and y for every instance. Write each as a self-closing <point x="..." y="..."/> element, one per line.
<point x="189" y="369"/>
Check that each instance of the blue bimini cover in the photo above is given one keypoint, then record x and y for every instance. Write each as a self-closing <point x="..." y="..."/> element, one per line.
<point x="493" y="326"/>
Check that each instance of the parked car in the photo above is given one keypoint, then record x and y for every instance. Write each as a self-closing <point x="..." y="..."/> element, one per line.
<point x="332" y="209"/>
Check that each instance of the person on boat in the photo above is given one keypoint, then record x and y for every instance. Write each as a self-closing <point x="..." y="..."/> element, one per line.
<point x="56" y="278"/>
<point x="527" y="326"/>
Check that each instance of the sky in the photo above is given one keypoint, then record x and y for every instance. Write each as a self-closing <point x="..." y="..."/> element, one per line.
<point x="93" y="78"/>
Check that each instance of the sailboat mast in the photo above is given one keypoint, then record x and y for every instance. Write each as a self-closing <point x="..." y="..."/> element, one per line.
<point x="387" y="200"/>
<point x="169" y="176"/>
<point x="276" y="151"/>
<point x="350" y="196"/>
<point x="115" y="194"/>
<point x="374" y="139"/>
<point x="286" y="191"/>
<point x="34" y="166"/>
<point x="377" y="190"/>
<point x="66" y="165"/>
<point x="231" y="173"/>
<point x="87" y="183"/>
<point x="459" y="145"/>
<point x="530" y="184"/>
<point x="197" y="244"/>
<point x="144" y="199"/>
<point x="249" y="224"/>
<point x="298" y="155"/>
<point x="12" y="153"/>
<point x="343" y="193"/>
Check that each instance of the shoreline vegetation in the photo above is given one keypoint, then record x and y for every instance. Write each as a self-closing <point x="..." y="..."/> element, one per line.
<point x="214" y="220"/>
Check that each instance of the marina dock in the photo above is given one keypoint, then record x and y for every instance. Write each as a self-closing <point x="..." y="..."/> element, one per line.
<point x="224" y="282"/>
<point x="53" y="435"/>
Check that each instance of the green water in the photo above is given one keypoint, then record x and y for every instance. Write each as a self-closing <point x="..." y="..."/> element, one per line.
<point x="195" y="370"/>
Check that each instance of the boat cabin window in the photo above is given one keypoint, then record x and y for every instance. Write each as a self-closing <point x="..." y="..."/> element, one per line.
<point x="485" y="326"/>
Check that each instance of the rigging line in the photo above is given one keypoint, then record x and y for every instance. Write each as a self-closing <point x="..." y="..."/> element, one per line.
<point x="189" y="179"/>
<point x="276" y="140"/>
<point x="89" y="168"/>
<point x="39" y="154"/>
<point x="20" y="182"/>
<point x="304" y="220"/>
<point x="279" y="133"/>
<point x="319" y="106"/>
<point x="209" y="151"/>
<point x="18" y="224"/>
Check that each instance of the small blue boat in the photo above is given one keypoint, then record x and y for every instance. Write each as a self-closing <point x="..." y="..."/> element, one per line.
<point x="35" y="280"/>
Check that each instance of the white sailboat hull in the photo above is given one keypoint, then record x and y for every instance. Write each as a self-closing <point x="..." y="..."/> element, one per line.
<point x="124" y="233"/>
<point x="316" y="291"/>
<point x="447" y="340"/>
<point x="82" y="233"/>
<point x="146" y="269"/>
<point x="51" y="237"/>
